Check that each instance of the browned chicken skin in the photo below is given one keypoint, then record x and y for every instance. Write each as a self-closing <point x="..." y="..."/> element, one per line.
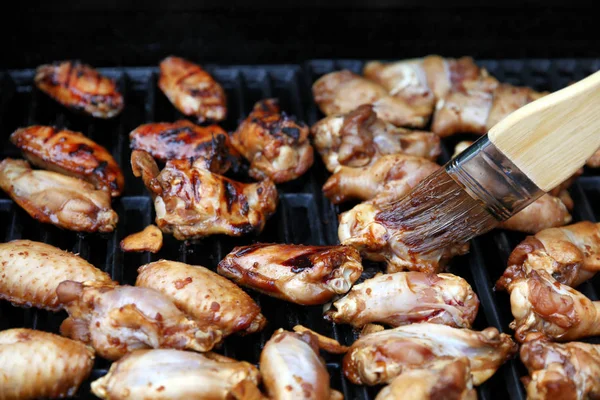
<point x="53" y="198"/>
<point x="192" y="202"/>
<point x="300" y="274"/>
<point x="276" y="145"/>
<point x="149" y="239"/>
<point x="70" y="153"/>
<point x="192" y="90"/>
<point x="80" y="87"/>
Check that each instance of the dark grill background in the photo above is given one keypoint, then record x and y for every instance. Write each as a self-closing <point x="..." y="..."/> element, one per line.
<point x="303" y="215"/>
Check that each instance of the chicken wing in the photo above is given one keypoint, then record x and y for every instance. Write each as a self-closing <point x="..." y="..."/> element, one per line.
<point x="276" y="145"/>
<point x="546" y="212"/>
<point x="53" y="198"/>
<point x="37" y="364"/>
<point x="192" y="202"/>
<point x="31" y="272"/>
<point x="292" y="369"/>
<point x="444" y="379"/>
<point x="150" y="239"/>
<point x="70" y="153"/>
<point x="175" y="375"/>
<point x="567" y="371"/>
<point x="594" y="161"/>
<point x="204" y="295"/>
<point x="118" y="319"/>
<point x="192" y="90"/>
<point x="80" y="87"/>
<point x="359" y="138"/>
<point x="403" y="298"/>
<point x="381" y="356"/>
<point x="299" y="274"/>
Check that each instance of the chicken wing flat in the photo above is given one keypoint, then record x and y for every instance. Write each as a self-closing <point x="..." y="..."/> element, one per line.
<point x="37" y="364"/>
<point x="359" y="138"/>
<point x="192" y="90"/>
<point x="567" y="371"/>
<point x="149" y="239"/>
<point x="192" y="202"/>
<point x="276" y="145"/>
<point x="444" y="379"/>
<point x="80" y="87"/>
<point x="31" y="272"/>
<point x="381" y="356"/>
<point x="70" y="153"/>
<point x="292" y="369"/>
<point x="118" y="319"/>
<point x="204" y="295"/>
<point x="53" y="198"/>
<point x="299" y="274"/>
<point x="175" y="375"/>
<point x="403" y="298"/>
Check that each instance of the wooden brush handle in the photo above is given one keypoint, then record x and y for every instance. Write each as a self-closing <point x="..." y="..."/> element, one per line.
<point x="552" y="137"/>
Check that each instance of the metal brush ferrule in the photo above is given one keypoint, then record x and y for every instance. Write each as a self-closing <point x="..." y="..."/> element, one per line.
<point x="491" y="178"/>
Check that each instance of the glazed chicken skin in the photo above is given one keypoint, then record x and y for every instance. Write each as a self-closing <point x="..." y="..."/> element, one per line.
<point x="53" y="198"/>
<point x="381" y="356"/>
<point x="192" y="202"/>
<point x="118" y="319"/>
<point x="306" y="275"/>
<point x="204" y="295"/>
<point x="404" y="298"/>
<point x="70" y="153"/>
<point x="567" y="371"/>
<point x="38" y="364"/>
<point x="80" y="87"/>
<point x="149" y="239"/>
<point x="177" y="375"/>
<point x="359" y="138"/>
<point x="31" y="272"/>
<point x="192" y="90"/>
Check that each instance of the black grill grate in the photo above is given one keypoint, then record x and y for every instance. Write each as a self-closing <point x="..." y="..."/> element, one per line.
<point x="303" y="216"/>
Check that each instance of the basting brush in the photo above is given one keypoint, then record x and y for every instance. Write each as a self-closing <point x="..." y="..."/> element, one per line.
<point x="526" y="154"/>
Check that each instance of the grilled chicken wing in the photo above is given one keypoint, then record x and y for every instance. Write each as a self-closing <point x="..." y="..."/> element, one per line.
<point x="35" y="364"/>
<point x="381" y="356"/>
<point x="403" y="298"/>
<point x="53" y="198"/>
<point x="192" y="202"/>
<point x="300" y="274"/>
<point x="192" y="90"/>
<point x="168" y="374"/>
<point x="31" y="272"/>
<point x="150" y="239"/>
<point x="204" y="295"/>
<point x="292" y="369"/>
<point x="276" y="145"/>
<point x="80" y="87"/>
<point x="118" y="319"/>
<point x="70" y="153"/>
<point x="444" y="379"/>
<point x="567" y="371"/>
<point x="359" y="138"/>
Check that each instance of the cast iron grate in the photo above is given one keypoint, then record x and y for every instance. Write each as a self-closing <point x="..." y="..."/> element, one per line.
<point x="303" y="216"/>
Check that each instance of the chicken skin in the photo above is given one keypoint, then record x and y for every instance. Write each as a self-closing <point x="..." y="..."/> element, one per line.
<point x="150" y="239"/>
<point x="192" y="90"/>
<point x="177" y="375"/>
<point x="594" y="161"/>
<point x="381" y="356"/>
<point x="118" y="319"/>
<point x="38" y="364"/>
<point x="192" y="202"/>
<point x="80" y="87"/>
<point x="204" y="295"/>
<point x="404" y="298"/>
<point x="292" y="369"/>
<point x="31" y="272"/>
<point x="53" y="198"/>
<point x="70" y="153"/>
<point x="276" y="145"/>
<point x="567" y="371"/>
<point x="307" y="275"/>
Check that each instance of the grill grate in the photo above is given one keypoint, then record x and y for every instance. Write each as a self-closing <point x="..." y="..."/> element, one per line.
<point x="303" y="216"/>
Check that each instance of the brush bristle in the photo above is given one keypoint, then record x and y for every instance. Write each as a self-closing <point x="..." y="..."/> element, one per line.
<point x="438" y="213"/>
